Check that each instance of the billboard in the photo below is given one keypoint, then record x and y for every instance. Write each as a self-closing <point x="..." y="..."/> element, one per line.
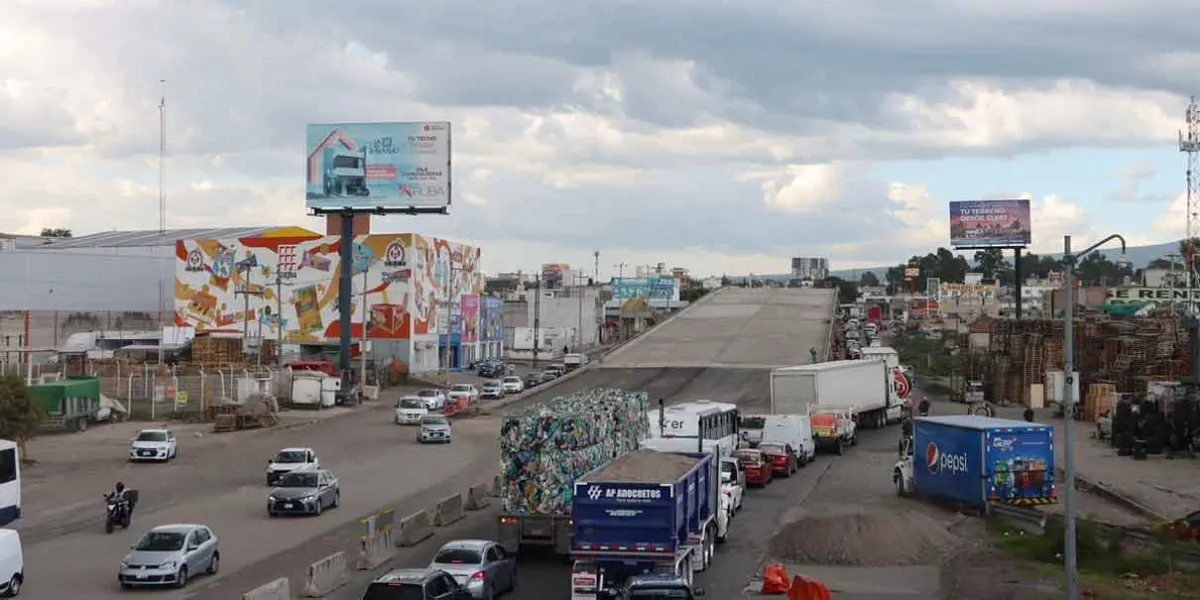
<point x="990" y="223"/>
<point x="378" y="165"/>
<point x="651" y="288"/>
<point x="552" y="273"/>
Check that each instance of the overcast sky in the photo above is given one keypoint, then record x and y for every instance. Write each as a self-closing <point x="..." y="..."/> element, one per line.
<point x="717" y="135"/>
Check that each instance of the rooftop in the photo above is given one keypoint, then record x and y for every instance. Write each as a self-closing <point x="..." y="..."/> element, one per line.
<point x="126" y="239"/>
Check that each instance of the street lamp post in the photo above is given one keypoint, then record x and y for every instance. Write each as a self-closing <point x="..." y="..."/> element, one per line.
<point x="1069" y="261"/>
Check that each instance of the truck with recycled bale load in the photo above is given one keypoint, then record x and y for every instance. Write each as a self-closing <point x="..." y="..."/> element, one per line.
<point x="546" y="448"/>
<point x="646" y="512"/>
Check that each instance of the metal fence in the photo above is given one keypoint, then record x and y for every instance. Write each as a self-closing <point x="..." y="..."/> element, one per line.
<point x="155" y="393"/>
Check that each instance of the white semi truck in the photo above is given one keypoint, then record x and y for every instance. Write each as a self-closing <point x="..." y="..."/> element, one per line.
<point x="864" y="387"/>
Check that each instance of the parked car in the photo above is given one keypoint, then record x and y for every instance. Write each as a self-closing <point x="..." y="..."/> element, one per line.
<point x="433" y="399"/>
<point x="481" y="566"/>
<point x="434" y="428"/>
<point x="157" y="445"/>
<point x="758" y="472"/>
<point x="307" y="492"/>
<point x="512" y="385"/>
<point x="170" y="555"/>
<point x="781" y="457"/>
<point x="532" y="380"/>
<point x="291" y="459"/>
<point x="464" y="393"/>
<point x="416" y="584"/>
<point x="492" y="388"/>
<point x="409" y="410"/>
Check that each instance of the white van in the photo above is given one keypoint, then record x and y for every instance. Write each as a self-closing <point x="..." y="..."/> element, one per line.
<point x="12" y="563"/>
<point x="795" y="430"/>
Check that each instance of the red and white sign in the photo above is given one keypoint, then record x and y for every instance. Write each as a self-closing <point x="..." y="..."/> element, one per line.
<point x="288" y="262"/>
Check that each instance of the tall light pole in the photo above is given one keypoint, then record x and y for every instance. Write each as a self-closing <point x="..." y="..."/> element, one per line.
<point x="1069" y="260"/>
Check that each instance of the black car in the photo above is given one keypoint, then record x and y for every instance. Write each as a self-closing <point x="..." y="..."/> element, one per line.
<point x="307" y="492"/>
<point x="532" y="380"/>
<point x="490" y="368"/>
<point x="416" y="584"/>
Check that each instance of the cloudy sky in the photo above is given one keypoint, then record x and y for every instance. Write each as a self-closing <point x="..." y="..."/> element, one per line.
<point x="717" y="135"/>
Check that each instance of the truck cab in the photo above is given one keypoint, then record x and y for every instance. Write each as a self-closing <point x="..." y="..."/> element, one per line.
<point x="653" y="587"/>
<point x="902" y="472"/>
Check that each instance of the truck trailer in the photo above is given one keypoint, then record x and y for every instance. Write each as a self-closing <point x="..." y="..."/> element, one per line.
<point x="645" y="513"/>
<point x="862" y="386"/>
<point x="973" y="461"/>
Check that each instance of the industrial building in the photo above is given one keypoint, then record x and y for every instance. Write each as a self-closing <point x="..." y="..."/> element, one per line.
<point x="809" y="270"/>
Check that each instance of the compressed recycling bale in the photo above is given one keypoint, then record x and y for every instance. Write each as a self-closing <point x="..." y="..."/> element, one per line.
<point x="545" y="448"/>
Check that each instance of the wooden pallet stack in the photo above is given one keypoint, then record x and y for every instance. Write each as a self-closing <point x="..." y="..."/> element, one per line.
<point x="1098" y="400"/>
<point x="221" y="351"/>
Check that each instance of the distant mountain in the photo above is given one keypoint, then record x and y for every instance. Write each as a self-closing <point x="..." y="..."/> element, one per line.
<point x="1139" y="256"/>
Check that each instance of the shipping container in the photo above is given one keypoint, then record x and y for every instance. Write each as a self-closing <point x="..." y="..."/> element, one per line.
<point x="972" y="460"/>
<point x="862" y="385"/>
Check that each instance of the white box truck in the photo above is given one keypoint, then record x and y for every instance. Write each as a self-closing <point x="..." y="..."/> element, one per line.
<point x="863" y="386"/>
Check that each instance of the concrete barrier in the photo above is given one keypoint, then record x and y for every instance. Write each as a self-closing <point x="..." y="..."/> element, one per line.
<point x="478" y="497"/>
<point x="375" y="550"/>
<point x="280" y="589"/>
<point x="326" y="575"/>
<point x="414" y="529"/>
<point x="448" y="510"/>
<point x="497" y="483"/>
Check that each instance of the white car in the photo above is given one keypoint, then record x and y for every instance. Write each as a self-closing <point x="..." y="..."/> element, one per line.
<point x="288" y="460"/>
<point x="433" y="399"/>
<point x="464" y="393"/>
<point x="733" y="483"/>
<point x="153" y="445"/>
<point x="512" y="385"/>
<point x="409" y="410"/>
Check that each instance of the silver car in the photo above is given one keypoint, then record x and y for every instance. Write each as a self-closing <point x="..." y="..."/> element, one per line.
<point x="169" y="555"/>
<point x="483" y="567"/>
<point x="306" y="492"/>
<point x="434" y="428"/>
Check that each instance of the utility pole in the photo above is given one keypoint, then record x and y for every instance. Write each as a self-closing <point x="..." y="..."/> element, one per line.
<point x="279" y="317"/>
<point x="537" y="319"/>
<point x="162" y="209"/>
<point x="245" y="293"/>
<point x="362" y="342"/>
<point x="579" y="327"/>
<point x="596" y="255"/>
<point x="621" y="270"/>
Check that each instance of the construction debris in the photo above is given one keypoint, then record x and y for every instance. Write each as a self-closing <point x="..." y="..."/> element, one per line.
<point x="258" y="411"/>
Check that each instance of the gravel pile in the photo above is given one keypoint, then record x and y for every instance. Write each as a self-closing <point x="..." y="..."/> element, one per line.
<point x="645" y="466"/>
<point x="865" y="539"/>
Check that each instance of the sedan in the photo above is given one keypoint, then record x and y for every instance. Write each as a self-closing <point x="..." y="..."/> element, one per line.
<point x="464" y="393"/>
<point x="304" y="493"/>
<point x="481" y="566"/>
<point x="758" y="471"/>
<point x="434" y="428"/>
<point x="492" y="388"/>
<point x="153" y="445"/>
<point x="781" y="457"/>
<point x="533" y="380"/>
<point x="169" y="555"/>
<point x="433" y="399"/>
<point x="512" y="385"/>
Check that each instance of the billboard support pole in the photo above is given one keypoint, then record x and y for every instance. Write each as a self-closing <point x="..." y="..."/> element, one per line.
<point x="345" y="283"/>
<point x="1017" y="279"/>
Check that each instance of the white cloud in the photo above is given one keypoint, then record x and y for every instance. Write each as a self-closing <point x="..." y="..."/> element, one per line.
<point x="805" y="188"/>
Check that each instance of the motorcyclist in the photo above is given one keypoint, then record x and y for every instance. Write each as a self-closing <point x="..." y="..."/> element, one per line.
<point x="121" y="499"/>
<point x="923" y="407"/>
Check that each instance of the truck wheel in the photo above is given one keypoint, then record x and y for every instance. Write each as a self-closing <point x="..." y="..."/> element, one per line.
<point x="81" y="424"/>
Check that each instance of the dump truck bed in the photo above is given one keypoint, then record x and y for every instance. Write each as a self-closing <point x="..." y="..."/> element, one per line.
<point x="644" y="466"/>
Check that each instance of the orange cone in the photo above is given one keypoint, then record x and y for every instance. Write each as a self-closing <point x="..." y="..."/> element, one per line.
<point x="804" y="588"/>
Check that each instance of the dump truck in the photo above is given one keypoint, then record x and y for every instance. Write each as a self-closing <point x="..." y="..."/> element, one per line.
<point x="70" y="403"/>
<point x="973" y="461"/>
<point x="864" y="387"/>
<point x="645" y="512"/>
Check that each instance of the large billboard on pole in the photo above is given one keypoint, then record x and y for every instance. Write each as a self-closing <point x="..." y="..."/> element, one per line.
<point x="371" y="166"/>
<point x="990" y="223"/>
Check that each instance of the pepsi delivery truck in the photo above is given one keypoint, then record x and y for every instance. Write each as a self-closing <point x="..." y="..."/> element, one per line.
<point x="645" y="513"/>
<point x="973" y="461"/>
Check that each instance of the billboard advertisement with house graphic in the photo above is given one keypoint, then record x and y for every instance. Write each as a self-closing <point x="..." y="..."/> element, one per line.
<point x="370" y="166"/>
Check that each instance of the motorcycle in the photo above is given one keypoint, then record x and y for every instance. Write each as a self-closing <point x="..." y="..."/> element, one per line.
<point x="119" y="512"/>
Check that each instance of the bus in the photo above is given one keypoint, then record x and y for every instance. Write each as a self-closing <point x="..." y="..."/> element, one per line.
<point x="698" y="420"/>
<point x="10" y="482"/>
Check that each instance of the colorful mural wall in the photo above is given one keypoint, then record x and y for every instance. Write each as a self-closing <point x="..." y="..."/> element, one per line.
<point x="492" y="319"/>
<point x="470" y="318"/>
<point x="442" y="271"/>
<point x="288" y="278"/>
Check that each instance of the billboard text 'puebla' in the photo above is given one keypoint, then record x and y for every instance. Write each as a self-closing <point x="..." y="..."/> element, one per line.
<point x="990" y="223"/>
<point x="365" y="166"/>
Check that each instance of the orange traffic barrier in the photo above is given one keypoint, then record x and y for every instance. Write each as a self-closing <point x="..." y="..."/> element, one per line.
<point x="775" y="579"/>
<point x="804" y="588"/>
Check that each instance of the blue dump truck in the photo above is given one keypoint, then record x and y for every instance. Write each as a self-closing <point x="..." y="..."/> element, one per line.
<point x="973" y="461"/>
<point x="646" y="513"/>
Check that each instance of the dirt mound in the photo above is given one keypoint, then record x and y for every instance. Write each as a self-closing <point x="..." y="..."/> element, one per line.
<point x="865" y="539"/>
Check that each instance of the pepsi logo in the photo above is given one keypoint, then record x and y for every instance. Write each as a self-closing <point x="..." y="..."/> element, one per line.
<point x="931" y="457"/>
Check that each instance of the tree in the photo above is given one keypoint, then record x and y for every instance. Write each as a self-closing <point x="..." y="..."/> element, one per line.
<point x="868" y="279"/>
<point x="847" y="290"/>
<point x="991" y="262"/>
<point x="20" y="416"/>
<point x="693" y="293"/>
<point x="56" y="232"/>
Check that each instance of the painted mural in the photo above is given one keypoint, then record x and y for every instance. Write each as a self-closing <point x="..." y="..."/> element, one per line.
<point x="492" y="319"/>
<point x="287" y="279"/>
<point x="470" y="318"/>
<point x="443" y="272"/>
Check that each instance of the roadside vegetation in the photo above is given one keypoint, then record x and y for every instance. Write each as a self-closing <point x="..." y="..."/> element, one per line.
<point x="1110" y="568"/>
<point x="928" y="357"/>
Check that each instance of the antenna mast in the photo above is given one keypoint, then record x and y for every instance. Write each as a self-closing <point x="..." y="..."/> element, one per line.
<point x="1190" y="145"/>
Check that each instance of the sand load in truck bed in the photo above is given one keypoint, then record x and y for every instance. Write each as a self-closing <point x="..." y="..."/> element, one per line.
<point x="545" y="448"/>
<point x="645" y="466"/>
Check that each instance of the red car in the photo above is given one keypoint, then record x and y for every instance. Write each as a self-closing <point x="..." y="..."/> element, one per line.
<point x="758" y="471"/>
<point x="781" y="457"/>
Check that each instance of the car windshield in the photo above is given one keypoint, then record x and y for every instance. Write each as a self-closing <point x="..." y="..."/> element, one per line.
<point x="433" y="421"/>
<point x="290" y="456"/>
<point x="770" y="448"/>
<point x="427" y="393"/>
<point x="728" y="471"/>
<point x="458" y="556"/>
<point x="161" y="541"/>
<point x="751" y="422"/>
<point x="394" y="591"/>
<point x="152" y="436"/>
<point x="410" y="403"/>
<point x="492" y="384"/>
<point x="462" y="387"/>
<point x="298" y="480"/>
<point x="512" y="380"/>
<point x="748" y="458"/>
<point x="653" y="594"/>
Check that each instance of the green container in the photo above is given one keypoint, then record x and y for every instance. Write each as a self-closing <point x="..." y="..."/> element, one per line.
<point x="51" y="396"/>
